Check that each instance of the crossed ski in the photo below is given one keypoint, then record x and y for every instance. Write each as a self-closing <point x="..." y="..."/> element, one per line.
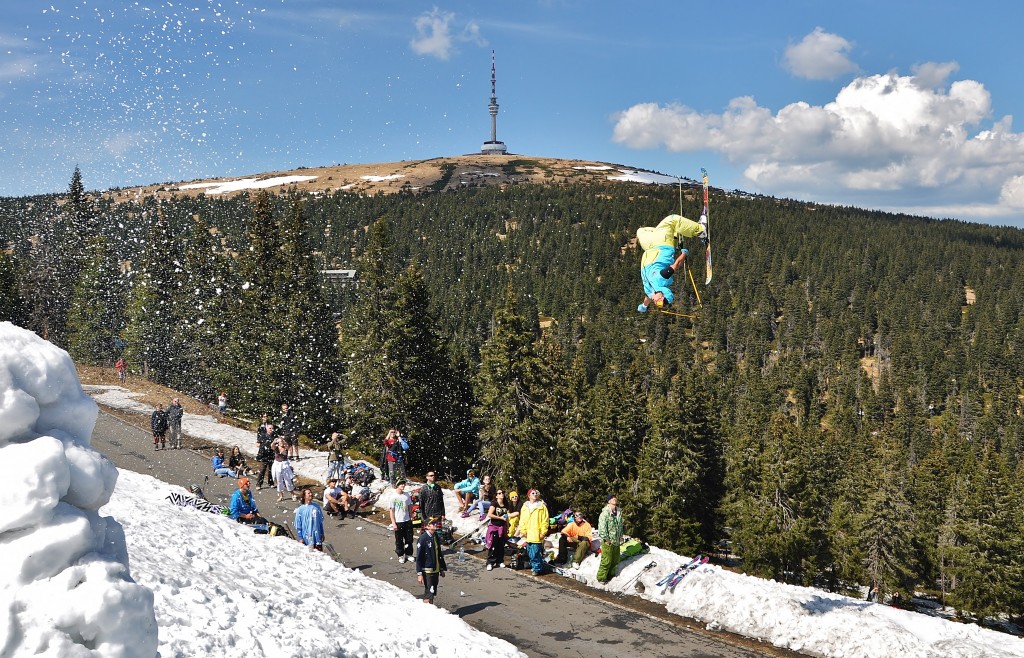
<point x="673" y="577"/>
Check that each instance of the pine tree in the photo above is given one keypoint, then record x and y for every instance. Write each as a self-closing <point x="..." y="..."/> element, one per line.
<point x="150" y="329"/>
<point x="517" y="418"/>
<point x="201" y="314"/>
<point x="98" y="307"/>
<point x="13" y="307"/>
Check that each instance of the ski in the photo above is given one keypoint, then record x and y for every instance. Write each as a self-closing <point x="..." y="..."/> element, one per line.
<point x="678" y="570"/>
<point x="707" y="221"/>
<point x="468" y="534"/>
<point x="201" y="504"/>
<point x="675" y="581"/>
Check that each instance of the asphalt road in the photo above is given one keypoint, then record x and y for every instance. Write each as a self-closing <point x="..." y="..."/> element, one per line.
<point x="543" y="616"/>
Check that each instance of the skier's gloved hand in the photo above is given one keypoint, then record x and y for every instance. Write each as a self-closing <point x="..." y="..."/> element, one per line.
<point x="641" y="309"/>
<point x="667" y="272"/>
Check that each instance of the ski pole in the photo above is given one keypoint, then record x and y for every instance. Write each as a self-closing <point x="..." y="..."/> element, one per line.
<point x="694" y="284"/>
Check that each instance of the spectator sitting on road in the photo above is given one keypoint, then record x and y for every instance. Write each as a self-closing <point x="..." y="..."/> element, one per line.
<point x="237" y="462"/>
<point x="467" y="490"/>
<point x="309" y="522"/>
<point x="243" y="505"/>
<point x="334" y="504"/>
<point x="219" y="467"/>
<point x="355" y="495"/>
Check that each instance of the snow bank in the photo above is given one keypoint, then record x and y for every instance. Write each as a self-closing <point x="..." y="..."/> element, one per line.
<point x="65" y="589"/>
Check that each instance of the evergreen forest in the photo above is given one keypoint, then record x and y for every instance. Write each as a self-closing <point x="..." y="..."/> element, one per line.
<point x="844" y="409"/>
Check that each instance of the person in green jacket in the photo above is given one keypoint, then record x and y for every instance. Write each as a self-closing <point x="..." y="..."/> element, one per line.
<point x="609" y="529"/>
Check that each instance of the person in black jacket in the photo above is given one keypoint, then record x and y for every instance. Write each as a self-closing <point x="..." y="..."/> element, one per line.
<point x="265" y="454"/>
<point x="431" y="500"/>
<point x="158" y="423"/>
<point x="288" y="426"/>
<point x="430" y="564"/>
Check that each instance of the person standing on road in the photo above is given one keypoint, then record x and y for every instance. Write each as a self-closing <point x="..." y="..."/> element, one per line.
<point x="289" y="426"/>
<point x="158" y="423"/>
<point x="265" y="454"/>
<point x="282" y="470"/>
<point x="335" y="456"/>
<point x="533" y="525"/>
<point x="609" y="529"/>
<point x="174" y="415"/>
<point x="401" y="522"/>
<point x="497" y="531"/>
<point x="309" y="522"/>
<point x="430" y="564"/>
<point x="431" y="500"/>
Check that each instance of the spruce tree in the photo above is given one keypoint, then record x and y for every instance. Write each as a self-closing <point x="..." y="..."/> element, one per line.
<point x="13" y="307"/>
<point x="98" y="307"/>
<point x="517" y="419"/>
<point x="150" y="329"/>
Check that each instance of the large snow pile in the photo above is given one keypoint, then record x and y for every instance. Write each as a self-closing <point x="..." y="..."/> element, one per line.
<point x="65" y="589"/>
<point x="222" y="590"/>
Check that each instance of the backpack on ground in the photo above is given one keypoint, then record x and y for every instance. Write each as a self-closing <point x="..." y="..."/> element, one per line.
<point x="519" y="559"/>
<point x="630" y="547"/>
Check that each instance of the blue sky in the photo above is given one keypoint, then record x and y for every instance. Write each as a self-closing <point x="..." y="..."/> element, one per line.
<point x="904" y="106"/>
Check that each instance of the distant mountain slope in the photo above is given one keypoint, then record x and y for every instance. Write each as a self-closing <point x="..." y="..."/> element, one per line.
<point x="409" y="175"/>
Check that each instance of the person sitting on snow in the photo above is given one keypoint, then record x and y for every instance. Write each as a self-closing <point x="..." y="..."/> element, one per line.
<point x="574" y="540"/>
<point x="659" y="262"/>
<point x="243" y="505"/>
<point x="467" y="490"/>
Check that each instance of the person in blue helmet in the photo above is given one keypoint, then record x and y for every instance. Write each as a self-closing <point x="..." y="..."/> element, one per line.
<point x="659" y="261"/>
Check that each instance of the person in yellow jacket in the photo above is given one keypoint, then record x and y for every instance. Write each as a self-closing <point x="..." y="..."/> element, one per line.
<point x="533" y="526"/>
<point x="659" y="262"/>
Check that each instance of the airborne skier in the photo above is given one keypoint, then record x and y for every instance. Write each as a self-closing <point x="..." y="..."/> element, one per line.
<point x="659" y="262"/>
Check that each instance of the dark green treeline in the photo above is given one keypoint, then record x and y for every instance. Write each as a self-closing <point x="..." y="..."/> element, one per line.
<point x="846" y="409"/>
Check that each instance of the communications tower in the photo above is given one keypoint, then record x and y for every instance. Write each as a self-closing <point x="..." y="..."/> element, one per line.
<point x="493" y="146"/>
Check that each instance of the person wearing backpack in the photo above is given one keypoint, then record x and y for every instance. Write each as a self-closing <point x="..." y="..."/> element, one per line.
<point x="609" y="529"/>
<point x="430" y="564"/>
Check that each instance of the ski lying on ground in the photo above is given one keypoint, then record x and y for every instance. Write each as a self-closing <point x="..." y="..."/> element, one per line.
<point x="565" y="572"/>
<point x="678" y="570"/>
<point x="201" y="504"/>
<point x="468" y="534"/>
<point x="676" y="579"/>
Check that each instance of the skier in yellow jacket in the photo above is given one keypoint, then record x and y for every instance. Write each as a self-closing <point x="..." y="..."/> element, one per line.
<point x="659" y="262"/>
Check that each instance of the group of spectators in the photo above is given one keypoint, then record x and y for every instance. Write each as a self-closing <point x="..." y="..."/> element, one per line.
<point x="166" y="425"/>
<point x="505" y="516"/>
<point x="276" y="447"/>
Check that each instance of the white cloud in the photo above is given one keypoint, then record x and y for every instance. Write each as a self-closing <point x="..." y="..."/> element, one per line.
<point x="435" y="38"/>
<point x="887" y="140"/>
<point x="820" y="55"/>
<point x="433" y="34"/>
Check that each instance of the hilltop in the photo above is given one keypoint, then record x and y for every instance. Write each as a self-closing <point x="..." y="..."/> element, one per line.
<point x="438" y="174"/>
